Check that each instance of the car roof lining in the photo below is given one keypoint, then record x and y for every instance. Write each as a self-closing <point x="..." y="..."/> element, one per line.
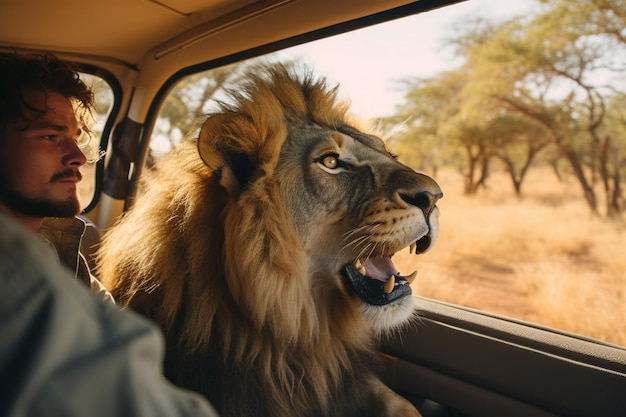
<point x="125" y="30"/>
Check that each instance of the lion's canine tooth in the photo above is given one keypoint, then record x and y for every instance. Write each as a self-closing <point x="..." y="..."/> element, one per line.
<point x="412" y="248"/>
<point x="411" y="277"/>
<point x="359" y="267"/>
<point x="390" y="284"/>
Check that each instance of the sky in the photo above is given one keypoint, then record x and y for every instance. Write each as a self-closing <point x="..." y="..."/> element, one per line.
<point x="367" y="63"/>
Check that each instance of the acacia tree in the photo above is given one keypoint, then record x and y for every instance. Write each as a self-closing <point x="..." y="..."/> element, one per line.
<point x="414" y="129"/>
<point x="477" y="149"/>
<point x="601" y="24"/>
<point x="544" y="68"/>
<point x="613" y="154"/>
<point x="553" y="71"/>
<point x="434" y="132"/>
<point x="457" y="110"/>
<point x="517" y="142"/>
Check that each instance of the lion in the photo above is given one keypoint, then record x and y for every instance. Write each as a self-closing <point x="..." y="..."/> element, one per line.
<point x="263" y="250"/>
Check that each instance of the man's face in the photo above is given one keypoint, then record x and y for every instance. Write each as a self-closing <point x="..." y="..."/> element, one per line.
<point x="39" y="160"/>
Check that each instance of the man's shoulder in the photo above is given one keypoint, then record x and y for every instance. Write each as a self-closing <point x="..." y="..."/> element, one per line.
<point x="25" y="259"/>
<point x="17" y="240"/>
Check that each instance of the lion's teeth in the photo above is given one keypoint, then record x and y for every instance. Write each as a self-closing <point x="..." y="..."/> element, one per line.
<point x="411" y="277"/>
<point x="390" y="284"/>
<point x="359" y="267"/>
<point x="412" y="248"/>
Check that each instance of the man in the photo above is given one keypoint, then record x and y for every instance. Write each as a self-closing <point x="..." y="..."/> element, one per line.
<point x="63" y="351"/>
<point x="44" y="113"/>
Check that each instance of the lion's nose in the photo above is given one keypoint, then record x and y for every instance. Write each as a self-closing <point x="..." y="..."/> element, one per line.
<point x="425" y="200"/>
<point x="424" y="194"/>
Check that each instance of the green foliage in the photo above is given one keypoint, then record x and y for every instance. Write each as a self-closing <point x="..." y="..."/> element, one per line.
<point x="529" y="84"/>
<point x="190" y="100"/>
<point x="187" y="101"/>
<point x="417" y="124"/>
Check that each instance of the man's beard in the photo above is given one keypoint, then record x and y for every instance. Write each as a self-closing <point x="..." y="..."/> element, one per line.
<point x="40" y="206"/>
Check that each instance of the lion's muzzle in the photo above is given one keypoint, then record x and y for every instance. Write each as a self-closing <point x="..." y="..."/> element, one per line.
<point x="375" y="279"/>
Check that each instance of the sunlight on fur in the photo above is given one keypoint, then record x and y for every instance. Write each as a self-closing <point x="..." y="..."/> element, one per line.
<point x="263" y="251"/>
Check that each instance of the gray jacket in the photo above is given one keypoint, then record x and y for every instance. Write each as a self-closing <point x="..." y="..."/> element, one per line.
<point x="65" y="352"/>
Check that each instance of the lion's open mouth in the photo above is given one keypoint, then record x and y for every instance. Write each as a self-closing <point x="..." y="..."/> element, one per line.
<point x="377" y="281"/>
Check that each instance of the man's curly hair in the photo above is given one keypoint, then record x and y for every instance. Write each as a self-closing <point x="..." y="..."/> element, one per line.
<point x="46" y="73"/>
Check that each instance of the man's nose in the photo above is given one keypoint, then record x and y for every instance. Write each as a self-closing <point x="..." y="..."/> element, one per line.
<point x="74" y="156"/>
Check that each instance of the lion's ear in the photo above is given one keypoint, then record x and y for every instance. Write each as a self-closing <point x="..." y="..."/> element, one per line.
<point x="221" y="150"/>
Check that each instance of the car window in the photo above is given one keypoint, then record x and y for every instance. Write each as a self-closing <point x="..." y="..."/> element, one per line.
<point x="104" y="100"/>
<point x="517" y="115"/>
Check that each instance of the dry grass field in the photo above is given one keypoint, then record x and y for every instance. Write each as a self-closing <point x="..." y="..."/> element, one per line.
<point x="539" y="258"/>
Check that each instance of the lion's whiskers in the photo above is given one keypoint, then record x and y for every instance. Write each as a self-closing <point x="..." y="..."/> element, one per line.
<point x="370" y="227"/>
<point x="357" y="242"/>
<point x="352" y="232"/>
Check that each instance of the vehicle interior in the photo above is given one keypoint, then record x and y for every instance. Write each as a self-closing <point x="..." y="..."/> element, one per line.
<point x="454" y="360"/>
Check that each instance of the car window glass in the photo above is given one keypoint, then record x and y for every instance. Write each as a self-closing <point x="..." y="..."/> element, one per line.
<point x="104" y="100"/>
<point x="522" y="124"/>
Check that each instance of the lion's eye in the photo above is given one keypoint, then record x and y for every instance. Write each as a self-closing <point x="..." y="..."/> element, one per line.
<point x="330" y="161"/>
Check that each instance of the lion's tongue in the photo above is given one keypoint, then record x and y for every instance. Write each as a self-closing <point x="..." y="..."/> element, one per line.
<point x="380" y="268"/>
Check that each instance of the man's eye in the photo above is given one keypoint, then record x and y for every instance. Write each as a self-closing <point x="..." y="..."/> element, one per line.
<point x="49" y="137"/>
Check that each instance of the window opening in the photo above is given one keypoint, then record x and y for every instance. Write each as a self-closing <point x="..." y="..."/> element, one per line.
<point x="520" y="118"/>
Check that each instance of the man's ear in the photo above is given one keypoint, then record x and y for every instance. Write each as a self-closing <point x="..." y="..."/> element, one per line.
<point x="223" y="149"/>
